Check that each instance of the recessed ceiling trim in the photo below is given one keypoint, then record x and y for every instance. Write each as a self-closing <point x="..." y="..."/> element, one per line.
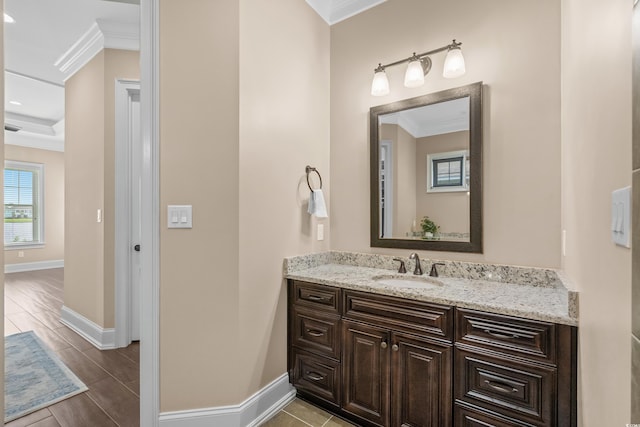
<point x="40" y="142"/>
<point x="102" y="34"/>
<point x="30" y="124"/>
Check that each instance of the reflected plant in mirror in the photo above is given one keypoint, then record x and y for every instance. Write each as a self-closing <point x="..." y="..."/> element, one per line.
<point x="426" y="169"/>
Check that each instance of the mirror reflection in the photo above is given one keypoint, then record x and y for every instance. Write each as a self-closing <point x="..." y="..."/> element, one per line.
<point x="424" y="172"/>
<point x="426" y="166"/>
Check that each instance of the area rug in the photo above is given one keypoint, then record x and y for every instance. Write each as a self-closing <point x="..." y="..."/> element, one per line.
<point x="34" y="376"/>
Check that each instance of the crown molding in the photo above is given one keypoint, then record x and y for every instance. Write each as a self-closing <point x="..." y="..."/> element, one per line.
<point x="101" y="35"/>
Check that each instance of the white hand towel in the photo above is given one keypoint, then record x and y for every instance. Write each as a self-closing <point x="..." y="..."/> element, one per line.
<point x="317" y="206"/>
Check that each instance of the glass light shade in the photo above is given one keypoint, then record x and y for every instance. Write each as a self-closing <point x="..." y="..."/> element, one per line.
<point x="454" y="63"/>
<point x="380" y="84"/>
<point x="8" y="19"/>
<point x="414" y="75"/>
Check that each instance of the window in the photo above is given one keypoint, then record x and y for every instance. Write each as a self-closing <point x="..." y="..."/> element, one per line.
<point x="23" y="206"/>
<point x="448" y="171"/>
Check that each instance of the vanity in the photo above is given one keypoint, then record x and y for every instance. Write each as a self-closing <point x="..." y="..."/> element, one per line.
<point x="481" y="345"/>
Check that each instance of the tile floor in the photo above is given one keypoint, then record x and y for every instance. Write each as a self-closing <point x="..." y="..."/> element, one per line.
<point x="299" y="413"/>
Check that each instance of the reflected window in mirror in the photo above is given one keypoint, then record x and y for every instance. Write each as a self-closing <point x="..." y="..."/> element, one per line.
<point x="426" y="172"/>
<point x="448" y="172"/>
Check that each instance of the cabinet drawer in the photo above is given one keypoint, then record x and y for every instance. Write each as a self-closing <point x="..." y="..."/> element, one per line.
<point x="520" y="337"/>
<point x="400" y="314"/>
<point x="470" y="417"/>
<point x="317" y="375"/>
<point x="516" y="390"/>
<point x="316" y="296"/>
<point x="316" y="331"/>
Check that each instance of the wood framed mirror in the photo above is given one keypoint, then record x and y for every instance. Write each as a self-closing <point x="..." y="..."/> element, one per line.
<point x="426" y="172"/>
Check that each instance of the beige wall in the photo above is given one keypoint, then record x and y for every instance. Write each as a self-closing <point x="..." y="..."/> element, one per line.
<point x="449" y="210"/>
<point x="89" y="183"/>
<point x="403" y="147"/>
<point x="596" y="159"/>
<point x="53" y="162"/>
<point x="504" y="47"/>
<point x="404" y="171"/>
<point x="199" y="166"/>
<point x="236" y="133"/>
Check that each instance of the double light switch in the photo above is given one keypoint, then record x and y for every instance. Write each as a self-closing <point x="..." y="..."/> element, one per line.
<point x="179" y="216"/>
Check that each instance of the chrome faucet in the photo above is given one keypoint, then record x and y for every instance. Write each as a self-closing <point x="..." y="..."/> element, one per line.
<point x="418" y="270"/>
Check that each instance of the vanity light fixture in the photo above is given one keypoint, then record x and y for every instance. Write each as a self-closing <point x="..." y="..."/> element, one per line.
<point x="8" y="19"/>
<point x="419" y="66"/>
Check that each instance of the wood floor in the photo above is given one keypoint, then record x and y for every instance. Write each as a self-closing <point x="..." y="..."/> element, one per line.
<point x="33" y="301"/>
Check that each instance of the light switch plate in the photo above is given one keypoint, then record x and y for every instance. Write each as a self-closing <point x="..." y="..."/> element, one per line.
<point x="179" y="216"/>
<point x="621" y="217"/>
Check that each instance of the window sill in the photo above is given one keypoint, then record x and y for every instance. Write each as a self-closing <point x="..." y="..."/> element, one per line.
<point x="18" y="247"/>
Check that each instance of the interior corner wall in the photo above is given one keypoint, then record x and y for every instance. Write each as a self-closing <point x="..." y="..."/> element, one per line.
<point x="504" y="47"/>
<point x="89" y="183"/>
<point x="596" y="159"/>
<point x="53" y="162"/>
<point x="238" y="124"/>
<point x="284" y="126"/>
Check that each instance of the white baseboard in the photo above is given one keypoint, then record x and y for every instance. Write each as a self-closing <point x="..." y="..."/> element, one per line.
<point x="250" y="413"/>
<point x="33" y="266"/>
<point x="102" y="339"/>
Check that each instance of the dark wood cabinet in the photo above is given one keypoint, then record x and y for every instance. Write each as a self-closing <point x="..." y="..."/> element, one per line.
<point x="421" y="391"/>
<point x="365" y="378"/>
<point x="379" y="360"/>
<point x="515" y="371"/>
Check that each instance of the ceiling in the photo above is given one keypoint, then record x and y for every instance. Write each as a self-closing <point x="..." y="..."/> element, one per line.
<point x="47" y="34"/>
<point x="334" y="11"/>
<point x="432" y="119"/>
<point x="43" y="31"/>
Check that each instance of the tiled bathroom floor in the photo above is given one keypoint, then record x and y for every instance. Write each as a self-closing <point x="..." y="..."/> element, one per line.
<point x="299" y="413"/>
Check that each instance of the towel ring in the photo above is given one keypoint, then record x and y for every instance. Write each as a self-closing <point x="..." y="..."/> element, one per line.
<point x="308" y="170"/>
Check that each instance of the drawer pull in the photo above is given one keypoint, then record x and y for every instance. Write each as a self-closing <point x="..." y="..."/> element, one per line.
<point x="314" y="376"/>
<point x="316" y="298"/>
<point x="315" y="332"/>
<point x="502" y="336"/>
<point x="503" y="388"/>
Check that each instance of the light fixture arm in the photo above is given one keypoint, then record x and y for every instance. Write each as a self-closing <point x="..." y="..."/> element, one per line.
<point x="453" y="45"/>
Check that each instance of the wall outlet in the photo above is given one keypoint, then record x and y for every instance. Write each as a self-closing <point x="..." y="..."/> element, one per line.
<point x="20" y="254"/>
<point x="320" y="232"/>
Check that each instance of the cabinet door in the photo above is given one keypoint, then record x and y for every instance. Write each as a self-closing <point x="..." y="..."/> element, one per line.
<point x="421" y="390"/>
<point x="366" y="372"/>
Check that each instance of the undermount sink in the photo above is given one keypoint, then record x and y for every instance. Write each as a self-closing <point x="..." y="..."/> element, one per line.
<point x="408" y="281"/>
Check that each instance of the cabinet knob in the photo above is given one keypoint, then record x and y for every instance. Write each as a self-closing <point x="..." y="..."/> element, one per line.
<point x="395" y="347"/>
<point x="383" y="344"/>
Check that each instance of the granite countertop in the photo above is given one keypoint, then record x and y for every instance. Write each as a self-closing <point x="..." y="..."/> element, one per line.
<point x="537" y="294"/>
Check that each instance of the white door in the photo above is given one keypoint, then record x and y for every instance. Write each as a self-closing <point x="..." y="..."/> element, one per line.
<point x="128" y="218"/>
<point x="135" y="214"/>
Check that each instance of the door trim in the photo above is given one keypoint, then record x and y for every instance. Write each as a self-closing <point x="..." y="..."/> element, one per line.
<point x="150" y="258"/>
<point x="125" y="89"/>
